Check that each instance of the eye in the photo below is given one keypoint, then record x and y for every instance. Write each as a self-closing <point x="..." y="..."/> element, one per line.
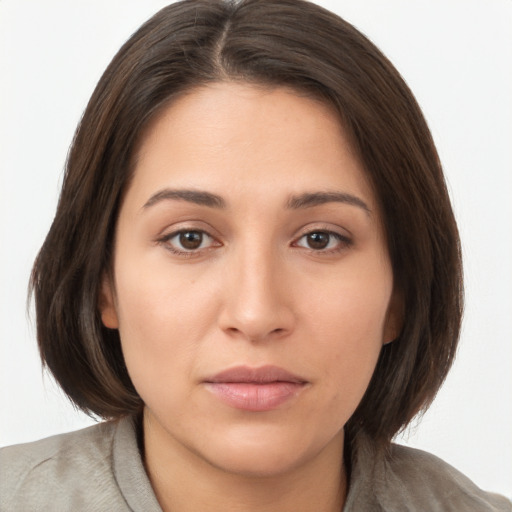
<point x="323" y="241"/>
<point x="188" y="241"/>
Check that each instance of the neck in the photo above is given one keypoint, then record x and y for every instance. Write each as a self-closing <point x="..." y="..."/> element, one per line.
<point x="184" y="481"/>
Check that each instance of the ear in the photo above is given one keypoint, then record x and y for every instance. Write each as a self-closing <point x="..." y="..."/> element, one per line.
<point x="106" y="303"/>
<point x="394" y="318"/>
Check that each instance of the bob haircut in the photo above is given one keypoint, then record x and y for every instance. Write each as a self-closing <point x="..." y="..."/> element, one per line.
<point x="271" y="43"/>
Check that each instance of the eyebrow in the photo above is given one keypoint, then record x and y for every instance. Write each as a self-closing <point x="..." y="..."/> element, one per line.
<point x="310" y="199"/>
<point x="297" y="202"/>
<point x="192" y="196"/>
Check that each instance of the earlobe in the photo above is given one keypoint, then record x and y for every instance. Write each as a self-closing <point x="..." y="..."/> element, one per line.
<point x="394" y="319"/>
<point x="106" y="304"/>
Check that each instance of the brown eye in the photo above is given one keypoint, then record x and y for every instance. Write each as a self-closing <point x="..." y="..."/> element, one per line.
<point x="318" y="240"/>
<point x="323" y="241"/>
<point x="191" y="240"/>
<point x="188" y="241"/>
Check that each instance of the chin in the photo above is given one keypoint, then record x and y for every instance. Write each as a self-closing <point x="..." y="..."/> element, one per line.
<point x="257" y="462"/>
<point x="264" y="453"/>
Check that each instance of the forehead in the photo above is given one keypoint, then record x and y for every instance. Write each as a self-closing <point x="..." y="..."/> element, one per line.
<point x="230" y="135"/>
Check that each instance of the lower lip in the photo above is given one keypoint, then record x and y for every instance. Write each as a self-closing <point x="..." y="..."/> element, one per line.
<point x="255" y="396"/>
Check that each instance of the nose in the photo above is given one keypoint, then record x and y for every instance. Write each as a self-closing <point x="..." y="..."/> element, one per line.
<point x="257" y="303"/>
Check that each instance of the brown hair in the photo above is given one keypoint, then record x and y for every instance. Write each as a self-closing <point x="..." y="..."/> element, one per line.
<point x="269" y="42"/>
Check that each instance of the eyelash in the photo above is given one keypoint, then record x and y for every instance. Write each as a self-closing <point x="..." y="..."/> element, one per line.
<point x="344" y="242"/>
<point x="166" y="240"/>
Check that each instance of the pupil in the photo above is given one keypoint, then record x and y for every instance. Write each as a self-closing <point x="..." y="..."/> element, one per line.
<point x="191" y="239"/>
<point x="318" y="240"/>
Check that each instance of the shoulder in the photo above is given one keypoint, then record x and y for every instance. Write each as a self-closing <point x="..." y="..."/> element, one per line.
<point x="425" y="482"/>
<point x="59" y="473"/>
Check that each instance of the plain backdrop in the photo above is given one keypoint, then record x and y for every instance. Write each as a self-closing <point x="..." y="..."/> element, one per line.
<point x="456" y="55"/>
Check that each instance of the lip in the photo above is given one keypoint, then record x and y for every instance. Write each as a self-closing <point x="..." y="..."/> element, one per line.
<point x="255" y="389"/>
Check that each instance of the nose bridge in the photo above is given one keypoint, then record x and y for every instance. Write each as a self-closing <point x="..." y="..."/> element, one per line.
<point x="256" y="304"/>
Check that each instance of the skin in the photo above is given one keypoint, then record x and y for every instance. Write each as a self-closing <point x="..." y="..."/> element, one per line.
<point x="256" y="291"/>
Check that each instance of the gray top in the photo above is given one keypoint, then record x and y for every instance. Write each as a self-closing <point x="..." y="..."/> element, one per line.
<point x="100" y="469"/>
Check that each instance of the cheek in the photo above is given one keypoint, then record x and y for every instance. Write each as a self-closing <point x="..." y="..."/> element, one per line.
<point x="350" y="307"/>
<point x="348" y="358"/>
<point x="349" y="349"/>
<point x="158" y="298"/>
<point x="162" y="320"/>
<point x="347" y="323"/>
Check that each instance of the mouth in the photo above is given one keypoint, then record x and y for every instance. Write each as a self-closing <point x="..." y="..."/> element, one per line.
<point x="255" y="389"/>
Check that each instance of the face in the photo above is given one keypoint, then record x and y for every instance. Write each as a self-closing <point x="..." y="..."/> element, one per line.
<point x="252" y="287"/>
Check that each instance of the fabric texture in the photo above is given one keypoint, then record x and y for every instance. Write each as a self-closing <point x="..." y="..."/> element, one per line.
<point x="100" y="469"/>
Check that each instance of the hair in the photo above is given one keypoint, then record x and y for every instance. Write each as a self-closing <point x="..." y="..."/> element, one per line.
<point x="193" y="43"/>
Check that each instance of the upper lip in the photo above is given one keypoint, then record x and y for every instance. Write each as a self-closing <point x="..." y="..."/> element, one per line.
<point x="260" y="375"/>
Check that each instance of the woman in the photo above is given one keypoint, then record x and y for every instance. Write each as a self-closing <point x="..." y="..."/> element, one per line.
<point x="254" y="273"/>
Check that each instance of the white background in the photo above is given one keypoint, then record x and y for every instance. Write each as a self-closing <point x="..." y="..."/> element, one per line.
<point x="457" y="57"/>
